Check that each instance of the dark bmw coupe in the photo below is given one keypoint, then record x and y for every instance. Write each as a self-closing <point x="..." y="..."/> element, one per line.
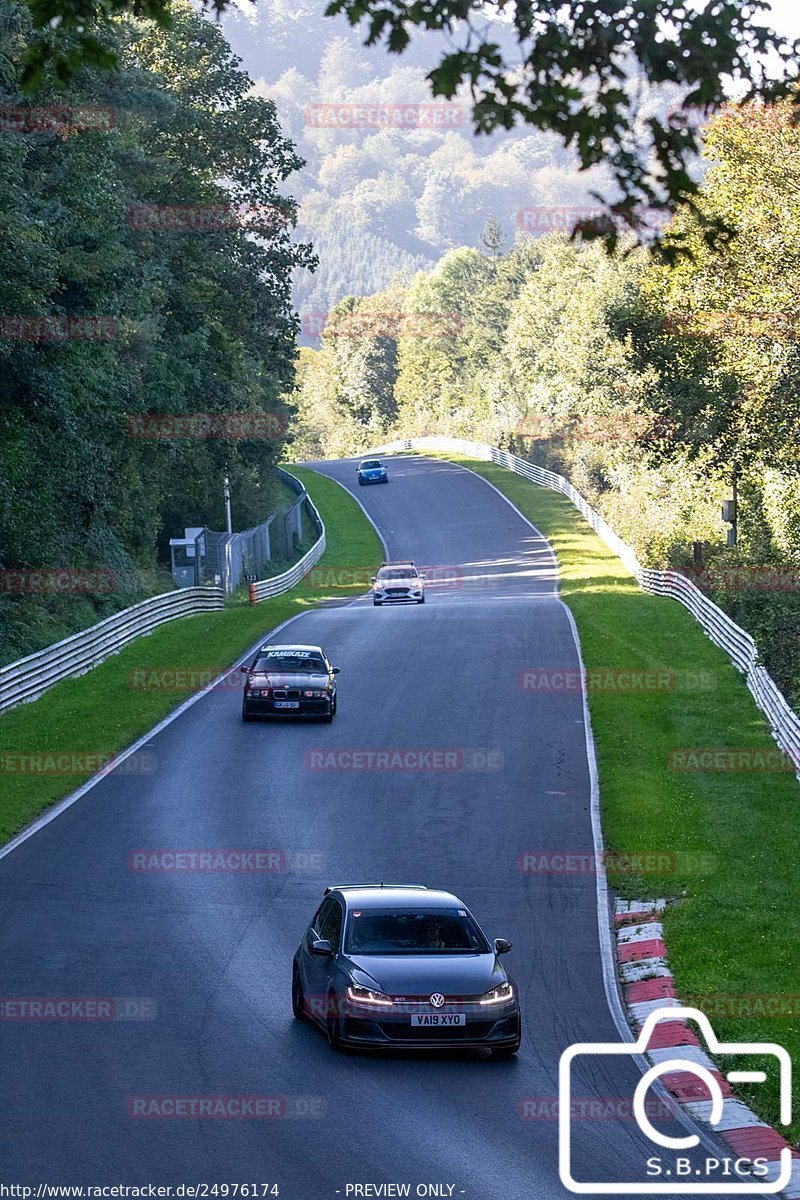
<point x="289" y="681"/>
<point x="405" y="967"/>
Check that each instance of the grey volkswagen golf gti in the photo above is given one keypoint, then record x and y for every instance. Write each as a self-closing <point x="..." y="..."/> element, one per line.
<point x="403" y="966"/>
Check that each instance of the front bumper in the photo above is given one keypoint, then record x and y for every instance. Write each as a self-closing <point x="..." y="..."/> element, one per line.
<point x="398" y="596"/>
<point x="382" y="478"/>
<point x="260" y="706"/>
<point x="395" y="1031"/>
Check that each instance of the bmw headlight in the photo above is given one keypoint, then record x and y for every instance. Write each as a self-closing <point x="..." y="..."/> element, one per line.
<point x="360" y="995"/>
<point x="498" y="995"/>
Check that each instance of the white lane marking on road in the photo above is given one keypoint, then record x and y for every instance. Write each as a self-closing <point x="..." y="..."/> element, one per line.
<point x="141" y="742"/>
<point x="607" y="951"/>
<point x="551" y="552"/>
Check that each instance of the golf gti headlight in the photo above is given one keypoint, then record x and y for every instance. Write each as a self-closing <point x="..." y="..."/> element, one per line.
<point x="359" y="995"/>
<point x="498" y="995"/>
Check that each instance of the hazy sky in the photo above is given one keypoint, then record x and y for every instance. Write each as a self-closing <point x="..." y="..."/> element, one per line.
<point x="786" y="16"/>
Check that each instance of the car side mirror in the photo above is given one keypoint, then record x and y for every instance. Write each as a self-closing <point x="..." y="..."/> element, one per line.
<point x="501" y="945"/>
<point x="423" y="576"/>
<point x="322" y="947"/>
<point x="335" y="671"/>
<point x="373" y="578"/>
<point x="245" y="670"/>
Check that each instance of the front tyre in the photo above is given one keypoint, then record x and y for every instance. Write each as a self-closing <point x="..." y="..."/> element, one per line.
<point x="421" y="600"/>
<point x="377" y="603"/>
<point x="246" y="716"/>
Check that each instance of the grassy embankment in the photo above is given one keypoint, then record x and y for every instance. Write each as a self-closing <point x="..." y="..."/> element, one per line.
<point x="732" y="835"/>
<point x="107" y="709"/>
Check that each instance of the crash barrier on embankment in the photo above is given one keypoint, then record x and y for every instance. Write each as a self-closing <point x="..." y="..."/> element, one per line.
<point x="28" y="678"/>
<point x="737" y="642"/>
<point x="282" y="583"/>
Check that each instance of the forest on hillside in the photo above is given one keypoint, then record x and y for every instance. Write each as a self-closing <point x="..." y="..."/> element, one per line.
<point x="653" y="387"/>
<point x="381" y="201"/>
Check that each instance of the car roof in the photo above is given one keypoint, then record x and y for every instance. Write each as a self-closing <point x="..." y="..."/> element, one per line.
<point x="392" y="895"/>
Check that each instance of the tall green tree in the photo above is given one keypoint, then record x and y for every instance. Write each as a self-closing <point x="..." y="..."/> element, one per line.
<point x="198" y="320"/>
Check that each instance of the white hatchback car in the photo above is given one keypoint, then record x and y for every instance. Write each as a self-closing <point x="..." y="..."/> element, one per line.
<point x="398" y="582"/>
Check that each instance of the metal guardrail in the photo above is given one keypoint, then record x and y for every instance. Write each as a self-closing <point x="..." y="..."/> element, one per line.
<point x="720" y="628"/>
<point x="265" y="588"/>
<point x="28" y="678"/>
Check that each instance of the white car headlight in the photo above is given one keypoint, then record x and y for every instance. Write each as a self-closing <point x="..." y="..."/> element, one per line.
<point x="498" y="995"/>
<point x="359" y="995"/>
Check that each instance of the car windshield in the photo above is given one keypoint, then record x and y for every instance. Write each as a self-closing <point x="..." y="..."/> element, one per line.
<point x="288" y="661"/>
<point x="397" y="573"/>
<point x="370" y="464"/>
<point x="413" y="931"/>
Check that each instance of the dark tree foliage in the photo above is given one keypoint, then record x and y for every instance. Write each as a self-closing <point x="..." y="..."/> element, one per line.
<point x="197" y="320"/>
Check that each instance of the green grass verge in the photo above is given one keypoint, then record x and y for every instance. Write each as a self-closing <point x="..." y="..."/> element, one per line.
<point x="732" y="837"/>
<point x="107" y="709"/>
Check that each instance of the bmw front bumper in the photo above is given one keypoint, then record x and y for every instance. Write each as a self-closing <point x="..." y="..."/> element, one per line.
<point x="259" y="706"/>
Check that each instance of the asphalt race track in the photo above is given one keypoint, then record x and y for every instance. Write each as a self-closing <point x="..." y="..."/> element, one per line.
<point x="209" y="954"/>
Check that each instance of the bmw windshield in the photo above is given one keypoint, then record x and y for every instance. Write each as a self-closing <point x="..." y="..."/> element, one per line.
<point x="288" y="664"/>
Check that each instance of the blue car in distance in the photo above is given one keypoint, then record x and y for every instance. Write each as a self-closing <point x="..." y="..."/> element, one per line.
<point x="372" y="470"/>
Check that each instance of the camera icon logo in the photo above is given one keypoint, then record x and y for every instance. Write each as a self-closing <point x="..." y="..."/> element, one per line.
<point x="635" y="1049"/>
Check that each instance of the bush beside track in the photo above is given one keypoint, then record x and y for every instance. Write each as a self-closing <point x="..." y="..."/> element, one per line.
<point x="102" y="712"/>
<point x="733" y="835"/>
